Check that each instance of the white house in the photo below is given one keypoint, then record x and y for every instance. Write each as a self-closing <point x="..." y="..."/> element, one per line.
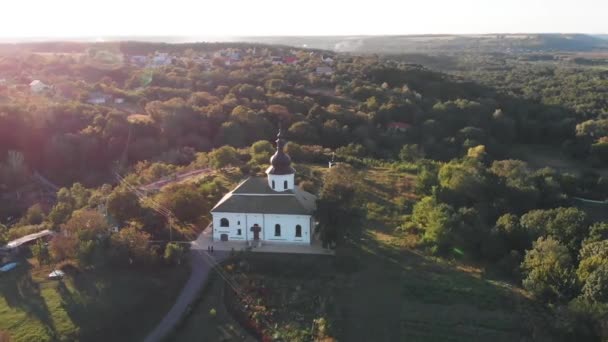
<point x="98" y="98"/>
<point x="266" y="209"/>
<point x="324" y="70"/>
<point x="37" y="86"/>
<point x="161" y="59"/>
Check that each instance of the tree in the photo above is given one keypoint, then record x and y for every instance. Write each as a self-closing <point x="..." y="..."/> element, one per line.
<point x="63" y="247"/>
<point x="60" y="213"/>
<point x="437" y="220"/>
<point x="34" y="215"/>
<point x="224" y="156"/>
<point x="40" y="251"/>
<point x="86" y="224"/>
<point x="596" y="285"/>
<point x="426" y="179"/>
<point x="592" y="256"/>
<point x="336" y="206"/>
<point x="463" y="183"/>
<point x="549" y="270"/>
<point x="3" y="232"/>
<point x="81" y="239"/>
<point x="411" y="153"/>
<point x="123" y="205"/>
<point x="132" y="245"/>
<point x="261" y="151"/>
<point x="567" y="225"/>
<point x="174" y="253"/>
<point x="304" y="131"/>
<point x="597" y="232"/>
<point x="185" y="202"/>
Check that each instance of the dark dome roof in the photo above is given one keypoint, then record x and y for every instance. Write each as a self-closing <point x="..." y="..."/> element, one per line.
<point x="280" y="162"/>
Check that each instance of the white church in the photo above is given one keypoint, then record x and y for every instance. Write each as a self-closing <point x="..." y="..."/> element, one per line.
<point x="267" y="209"/>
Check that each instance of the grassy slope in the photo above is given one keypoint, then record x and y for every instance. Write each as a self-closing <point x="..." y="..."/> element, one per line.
<point x="377" y="289"/>
<point x="201" y="326"/>
<point x="101" y="305"/>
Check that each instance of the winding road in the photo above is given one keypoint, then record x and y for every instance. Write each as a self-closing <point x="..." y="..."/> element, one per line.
<point x="201" y="263"/>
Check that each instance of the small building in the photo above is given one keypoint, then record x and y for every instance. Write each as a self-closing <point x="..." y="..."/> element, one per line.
<point x="98" y="98"/>
<point x="119" y="100"/>
<point x="276" y="60"/>
<point x="161" y="59"/>
<point x="139" y="60"/>
<point x="398" y="126"/>
<point x="327" y="60"/>
<point x="267" y="209"/>
<point x="17" y="244"/>
<point x="290" y="60"/>
<point x="38" y="86"/>
<point x="324" y="70"/>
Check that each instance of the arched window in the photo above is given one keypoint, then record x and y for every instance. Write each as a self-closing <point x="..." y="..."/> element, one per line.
<point x="224" y="222"/>
<point x="285" y="185"/>
<point x="298" y="231"/>
<point x="277" y="230"/>
<point x="273" y="184"/>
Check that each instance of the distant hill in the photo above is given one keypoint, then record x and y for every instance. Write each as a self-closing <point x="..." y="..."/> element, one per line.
<point x="444" y="43"/>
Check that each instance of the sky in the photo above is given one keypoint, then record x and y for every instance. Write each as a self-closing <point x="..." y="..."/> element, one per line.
<point x="85" y="18"/>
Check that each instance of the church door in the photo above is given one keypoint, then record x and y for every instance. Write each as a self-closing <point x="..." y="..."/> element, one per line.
<point x="256" y="232"/>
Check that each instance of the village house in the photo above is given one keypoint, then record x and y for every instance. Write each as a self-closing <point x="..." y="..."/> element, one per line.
<point x="19" y="244"/>
<point x="139" y="60"/>
<point x="269" y="209"/>
<point x="290" y="60"/>
<point x="276" y="60"/>
<point x="98" y="97"/>
<point x="327" y="60"/>
<point x="324" y="70"/>
<point x="37" y="86"/>
<point x="160" y="59"/>
<point x="398" y="127"/>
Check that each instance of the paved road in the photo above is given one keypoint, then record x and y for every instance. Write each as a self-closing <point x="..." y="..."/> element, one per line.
<point x="201" y="268"/>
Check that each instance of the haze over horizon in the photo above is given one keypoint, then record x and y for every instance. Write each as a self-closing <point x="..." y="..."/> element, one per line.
<point x="67" y="19"/>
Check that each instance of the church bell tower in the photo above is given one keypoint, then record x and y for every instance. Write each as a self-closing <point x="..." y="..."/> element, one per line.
<point x="281" y="176"/>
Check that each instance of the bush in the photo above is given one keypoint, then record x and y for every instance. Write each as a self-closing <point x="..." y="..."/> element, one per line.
<point x="174" y="253"/>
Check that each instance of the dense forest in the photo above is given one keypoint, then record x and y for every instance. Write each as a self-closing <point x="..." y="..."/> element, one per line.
<point x="146" y="111"/>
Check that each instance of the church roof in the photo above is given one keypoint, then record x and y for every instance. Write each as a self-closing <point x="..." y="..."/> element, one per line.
<point x="257" y="185"/>
<point x="253" y="195"/>
<point x="280" y="162"/>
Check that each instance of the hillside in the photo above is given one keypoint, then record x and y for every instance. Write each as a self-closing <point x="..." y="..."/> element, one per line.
<point x="427" y="182"/>
<point x="507" y="43"/>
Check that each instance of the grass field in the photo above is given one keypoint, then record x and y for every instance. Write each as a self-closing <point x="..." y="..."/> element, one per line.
<point x="374" y="292"/>
<point x="200" y="325"/>
<point x="99" y="305"/>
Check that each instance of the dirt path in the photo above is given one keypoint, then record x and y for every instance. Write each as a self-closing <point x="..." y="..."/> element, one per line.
<point x="201" y="264"/>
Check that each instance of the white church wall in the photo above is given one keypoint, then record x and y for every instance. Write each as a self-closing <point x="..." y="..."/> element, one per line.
<point x="267" y="222"/>
<point x="279" y="182"/>
<point x="288" y="225"/>
<point x="237" y="226"/>
<point x="251" y="220"/>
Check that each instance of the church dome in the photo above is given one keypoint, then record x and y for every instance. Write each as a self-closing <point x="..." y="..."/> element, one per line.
<point x="280" y="162"/>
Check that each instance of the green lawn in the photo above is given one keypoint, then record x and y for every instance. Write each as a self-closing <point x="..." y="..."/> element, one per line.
<point x="200" y="325"/>
<point x="372" y="292"/>
<point x="99" y="305"/>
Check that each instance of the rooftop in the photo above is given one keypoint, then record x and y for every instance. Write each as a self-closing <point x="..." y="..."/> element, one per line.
<point x="28" y="238"/>
<point x="253" y="195"/>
